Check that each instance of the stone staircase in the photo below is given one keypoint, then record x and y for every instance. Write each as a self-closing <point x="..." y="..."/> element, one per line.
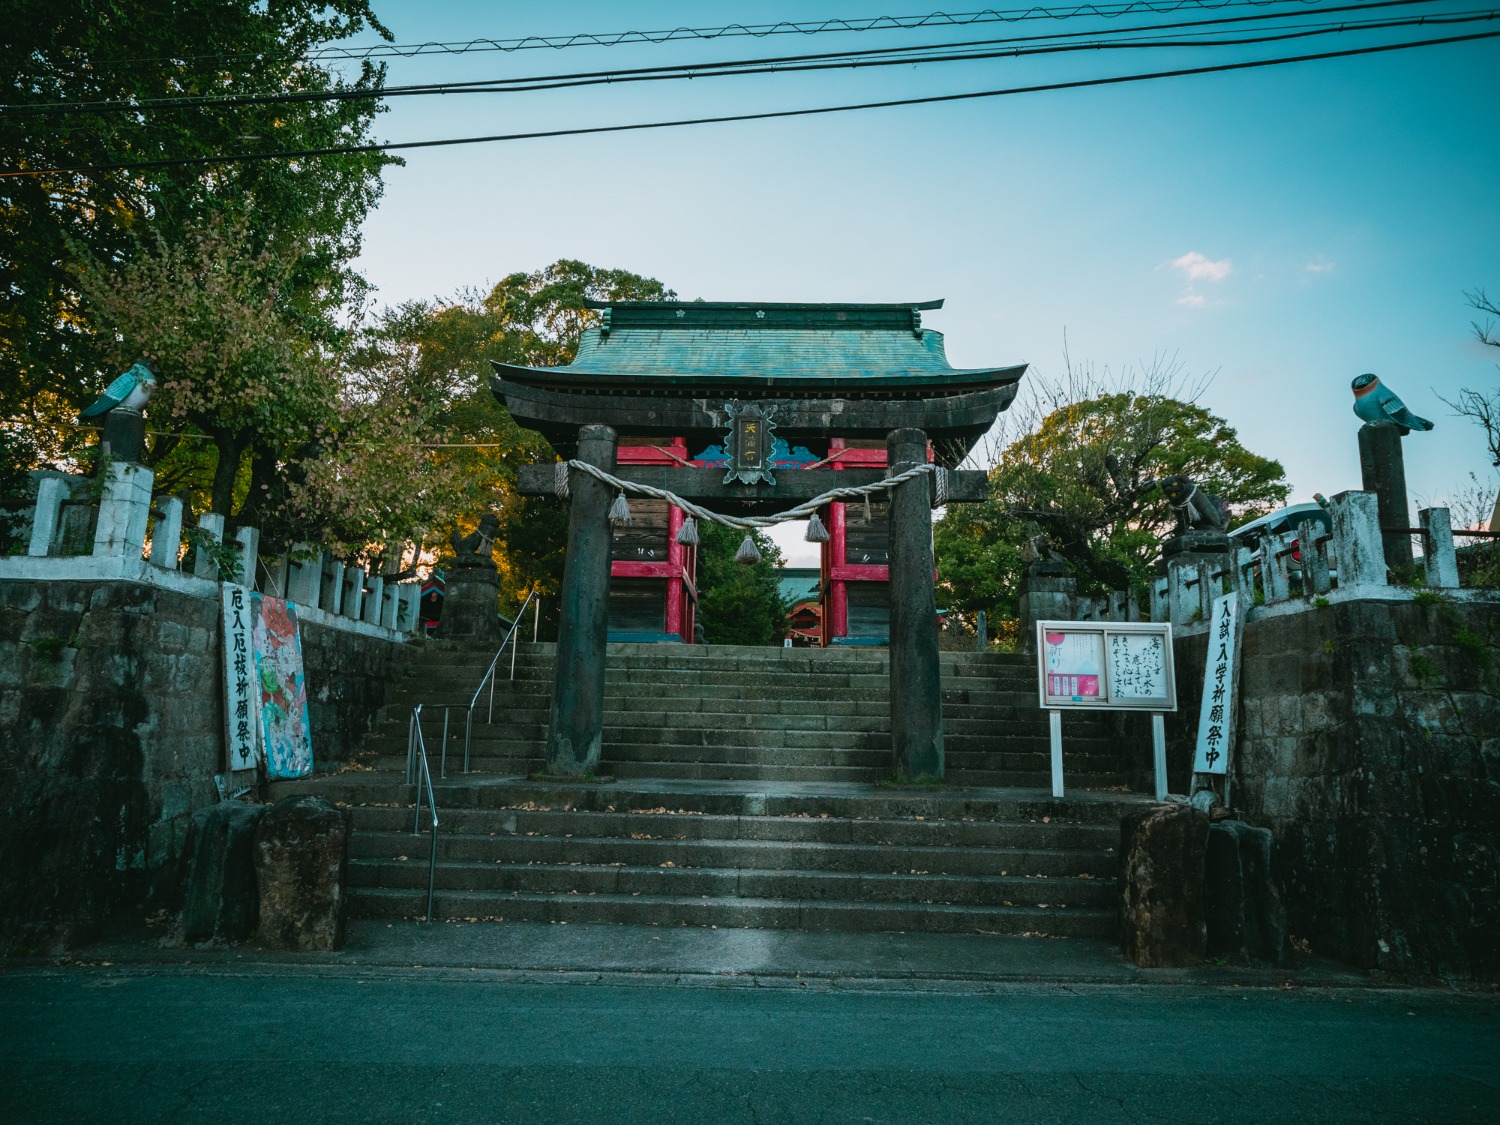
<point x="753" y="714"/>
<point x="743" y="788"/>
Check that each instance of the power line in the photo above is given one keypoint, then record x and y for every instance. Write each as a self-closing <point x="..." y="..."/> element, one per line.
<point x="1182" y="72"/>
<point x="757" y="31"/>
<point x="880" y="56"/>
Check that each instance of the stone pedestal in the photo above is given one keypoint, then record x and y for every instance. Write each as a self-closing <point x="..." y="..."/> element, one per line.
<point x="1382" y="469"/>
<point x="301" y="859"/>
<point x="1194" y="561"/>
<point x="1245" y="917"/>
<point x="1048" y="593"/>
<point x="125" y="434"/>
<point x="1162" y="853"/>
<point x="916" y="683"/>
<point x="471" y="606"/>
<point x="221" y="898"/>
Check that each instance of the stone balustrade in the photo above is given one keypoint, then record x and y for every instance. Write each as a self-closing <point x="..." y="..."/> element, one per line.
<point x="127" y="533"/>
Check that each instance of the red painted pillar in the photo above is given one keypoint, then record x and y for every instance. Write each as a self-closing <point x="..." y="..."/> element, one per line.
<point x="836" y="610"/>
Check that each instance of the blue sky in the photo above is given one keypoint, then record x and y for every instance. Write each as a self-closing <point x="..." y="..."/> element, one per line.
<point x="1287" y="228"/>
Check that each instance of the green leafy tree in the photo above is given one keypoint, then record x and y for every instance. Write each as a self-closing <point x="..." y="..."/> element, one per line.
<point x="739" y="603"/>
<point x="1086" y="478"/>
<point x="528" y="318"/>
<point x="127" y="63"/>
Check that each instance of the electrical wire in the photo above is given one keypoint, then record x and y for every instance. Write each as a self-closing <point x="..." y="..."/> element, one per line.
<point x="757" y="31"/>
<point x="933" y="99"/>
<point x="840" y="60"/>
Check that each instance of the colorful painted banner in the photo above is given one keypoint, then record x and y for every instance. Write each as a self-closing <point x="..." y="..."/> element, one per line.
<point x="285" y="730"/>
<point x="241" y="700"/>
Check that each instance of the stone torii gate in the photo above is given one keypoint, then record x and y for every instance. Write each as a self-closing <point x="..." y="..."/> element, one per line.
<point x="734" y="374"/>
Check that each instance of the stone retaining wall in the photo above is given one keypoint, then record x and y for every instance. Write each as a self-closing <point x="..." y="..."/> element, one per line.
<point x="111" y="731"/>
<point x="1370" y="745"/>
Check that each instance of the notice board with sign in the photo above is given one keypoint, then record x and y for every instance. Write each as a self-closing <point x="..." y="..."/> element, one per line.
<point x="1106" y="665"/>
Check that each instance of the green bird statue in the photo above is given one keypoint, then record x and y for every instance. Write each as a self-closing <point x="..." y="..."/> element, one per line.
<point x="1378" y="404"/>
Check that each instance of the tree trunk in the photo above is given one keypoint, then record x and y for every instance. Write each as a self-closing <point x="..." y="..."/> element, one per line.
<point x="230" y="447"/>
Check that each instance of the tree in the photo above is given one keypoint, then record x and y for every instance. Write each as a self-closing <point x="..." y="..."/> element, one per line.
<point x="238" y="342"/>
<point x="1085" y="476"/>
<point x="739" y="603"/>
<point x="1482" y="407"/>
<point x="120" y="72"/>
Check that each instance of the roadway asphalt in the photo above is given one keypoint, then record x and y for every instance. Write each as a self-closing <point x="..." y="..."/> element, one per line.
<point x="606" y="1024"/>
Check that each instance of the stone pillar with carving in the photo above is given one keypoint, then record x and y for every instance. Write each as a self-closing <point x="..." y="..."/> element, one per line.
<point x="471" y="590"/>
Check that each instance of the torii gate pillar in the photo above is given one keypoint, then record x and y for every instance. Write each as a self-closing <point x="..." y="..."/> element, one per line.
<point x="575" y="726"/>
<point x="916" y="682"/>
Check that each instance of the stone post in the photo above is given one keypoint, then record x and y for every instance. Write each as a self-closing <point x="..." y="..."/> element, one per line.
<point x="1160" y="610"/>
<point x="1382" y="471"/>
<point x="575" y="726"/>
<point x="212" y="525"/>
<point x="247" y="543"/>
<point x="1438" y="556"/>
<point x="46" y="520"/>
<point x="1357" y="549"/>
<point x="390" y="594"/>
<point x="331" y="596"/>
<point x="124" y="510"/>
<point x="304" y="583"/>
<point x="916" y="683"/>
<point x="1275" y="576"/>
<point x="354" y="593"/>
<point x="409" y="595"/>
<point x="374" y="601"/>
<point x="276" y="573"/>
<point x="166" y="536"/>
<point x="1315" y="578"/>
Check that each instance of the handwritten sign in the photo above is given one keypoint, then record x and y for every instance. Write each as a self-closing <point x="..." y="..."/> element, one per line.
<point x="1137" y="665"/>
<point x="242" y="689"/>
<point x="1106" y="665"/>
<point x="1216" y="714"/>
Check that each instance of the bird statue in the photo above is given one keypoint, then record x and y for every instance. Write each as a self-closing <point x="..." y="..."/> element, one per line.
<point x="129" y="391"/>
<point x="1376" y="403"/>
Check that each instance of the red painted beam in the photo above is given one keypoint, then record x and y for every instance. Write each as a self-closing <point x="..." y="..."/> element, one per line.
<point x="855" y="572"/>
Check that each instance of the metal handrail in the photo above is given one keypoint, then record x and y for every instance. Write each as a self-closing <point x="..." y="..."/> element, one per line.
<point x="489" y="675"/>
<point x="416" y="755"/>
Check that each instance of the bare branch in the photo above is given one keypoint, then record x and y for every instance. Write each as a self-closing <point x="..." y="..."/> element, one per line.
<point x="1484" y="411"/>
<point x="1485" y="333"/>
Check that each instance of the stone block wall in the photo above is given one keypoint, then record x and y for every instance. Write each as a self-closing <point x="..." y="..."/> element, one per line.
<point x="1370" y="745"/>
<point x="111" y="732"/>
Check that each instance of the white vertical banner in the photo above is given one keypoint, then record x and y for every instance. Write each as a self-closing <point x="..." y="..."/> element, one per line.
<point x="242" y="694"/>
<point x="1216" y="714"/>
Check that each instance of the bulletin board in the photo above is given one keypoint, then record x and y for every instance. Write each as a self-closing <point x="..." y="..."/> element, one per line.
<point x="1105" y="665"/>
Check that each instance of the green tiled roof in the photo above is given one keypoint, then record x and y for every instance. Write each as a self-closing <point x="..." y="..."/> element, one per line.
<point x="766" y="345"/>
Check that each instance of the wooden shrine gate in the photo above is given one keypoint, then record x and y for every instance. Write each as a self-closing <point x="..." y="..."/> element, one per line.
<point x="735" y="373"/>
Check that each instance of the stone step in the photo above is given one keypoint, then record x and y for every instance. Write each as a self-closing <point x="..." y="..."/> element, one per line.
<point x="804" y="829"/>
<point x="668" y="881"/>
<point x="641" y="850"/>
<point x="861" y="801"/>
<point x="728" y="913"/>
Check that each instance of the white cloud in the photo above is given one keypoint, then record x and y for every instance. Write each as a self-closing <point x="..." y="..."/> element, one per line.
<point x="1193" y="300"/>
<point x="1319" y="265"/>
<point x="1199" y="268"/>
